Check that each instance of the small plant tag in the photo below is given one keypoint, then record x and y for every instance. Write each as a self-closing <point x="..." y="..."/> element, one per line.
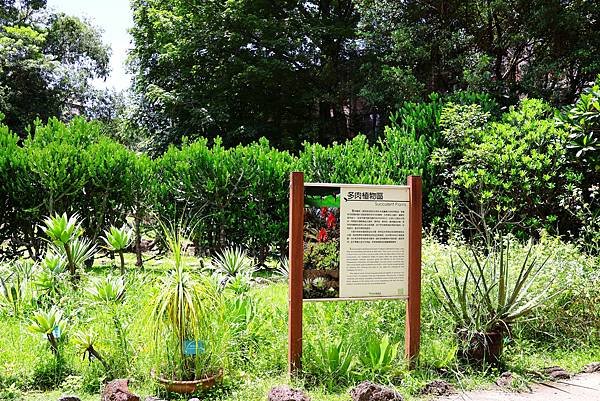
<point x="56" y="332"/>
<point x="193" y="347"/>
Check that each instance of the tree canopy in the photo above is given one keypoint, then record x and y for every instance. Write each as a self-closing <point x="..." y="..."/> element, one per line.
<point x="325" y="70"/>
<point x="47" y="63"/>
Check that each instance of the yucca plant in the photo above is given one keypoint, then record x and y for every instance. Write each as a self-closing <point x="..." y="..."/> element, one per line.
<point x="50" y="278"/>
<point x="493" y="292"/>
<point x="118" y="240"/>
<point x="110" y="292"/>
<point x="49" y="323"/>
<point x="64" y="232"/>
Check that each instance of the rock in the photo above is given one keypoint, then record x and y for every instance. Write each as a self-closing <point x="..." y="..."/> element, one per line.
<point x="592" y="367"/>
<point x="194" y="399"/>
<point x="367" y="391"/>
<point x="69" y="398"/>
<point x="285" y="393"/>
<point x="505" y="379"/>
<point x="438" y="388"/>
<point x="118" y="390"/>
<point x="152" y="398"/>
<point x="557" y="373"/>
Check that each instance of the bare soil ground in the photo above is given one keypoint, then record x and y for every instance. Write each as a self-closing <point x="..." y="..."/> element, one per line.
<point x="582" y="387"/>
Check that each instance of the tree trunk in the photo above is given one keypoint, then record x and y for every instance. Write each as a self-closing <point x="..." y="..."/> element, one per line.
<point x="138" y="241"/>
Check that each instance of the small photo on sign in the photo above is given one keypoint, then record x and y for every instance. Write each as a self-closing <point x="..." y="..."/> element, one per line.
<point x="321" y="242"/>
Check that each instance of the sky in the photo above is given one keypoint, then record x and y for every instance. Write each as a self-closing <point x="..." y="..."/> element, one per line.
<point x="114" y="18"/>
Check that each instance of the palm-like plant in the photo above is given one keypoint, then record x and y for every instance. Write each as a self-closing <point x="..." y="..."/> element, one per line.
<point x="118" y="240"/>
<point x="86" y="343"/>
<point x="64" y="233"/>
<point x="49" y="323"/>
<point x="110" y="291"/>
<point x="183" y="305"/>
<point x="62" y="229"/>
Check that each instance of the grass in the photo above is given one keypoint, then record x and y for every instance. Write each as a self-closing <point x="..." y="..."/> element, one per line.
<point x="564" y="333"/>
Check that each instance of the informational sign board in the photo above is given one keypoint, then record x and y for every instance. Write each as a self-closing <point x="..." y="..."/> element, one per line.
<point x="354" y="242"/>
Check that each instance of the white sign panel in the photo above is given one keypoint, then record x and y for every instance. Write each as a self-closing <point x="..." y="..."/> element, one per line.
<point x="373" y="241"/>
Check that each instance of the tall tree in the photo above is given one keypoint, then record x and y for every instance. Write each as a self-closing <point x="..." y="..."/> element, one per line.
<point x="246" y="68"/>
<point x="538" y="48"/>
<point x="327" y="69"/>
<point x="47" y="63"/>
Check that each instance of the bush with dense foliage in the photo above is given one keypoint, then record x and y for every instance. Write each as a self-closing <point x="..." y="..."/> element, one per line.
<point x="63" y="168"/>
<point x="481" y="169"/>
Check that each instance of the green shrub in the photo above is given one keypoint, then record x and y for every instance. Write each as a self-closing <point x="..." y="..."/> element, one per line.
<point x="63" y="168"/>
<point x="508" y="174"/>
<point x="234" y="196"/>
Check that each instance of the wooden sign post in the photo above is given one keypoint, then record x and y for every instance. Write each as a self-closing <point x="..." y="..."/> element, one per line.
<point x="296" y="260"/>
<point x="378" y="235"/>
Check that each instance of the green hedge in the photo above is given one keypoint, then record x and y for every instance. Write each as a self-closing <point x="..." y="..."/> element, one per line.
<point x="63" y="168"/>
<point x="515" y="164"/>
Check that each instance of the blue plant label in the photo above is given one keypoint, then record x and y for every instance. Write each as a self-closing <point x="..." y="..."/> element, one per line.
<point x="56" y="332"/>
<point x="193" y="347"/>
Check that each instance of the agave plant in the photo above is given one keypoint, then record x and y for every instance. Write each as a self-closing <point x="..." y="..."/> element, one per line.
<point x="493" y="293"/>
<point x="15" y="283"/>
<point x="283" y="268"/>
<point x="118" y="240"/>
<point x="49" y="323"/>
<point x="64" y="233"/>
<point x="233" y="262"/>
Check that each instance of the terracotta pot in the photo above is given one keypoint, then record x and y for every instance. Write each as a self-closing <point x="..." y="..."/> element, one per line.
<point x="477" y="348"/>
<point x="189" y="386"/>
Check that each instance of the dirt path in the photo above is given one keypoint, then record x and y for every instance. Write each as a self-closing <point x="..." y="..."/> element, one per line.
<point x="583" y="387"/>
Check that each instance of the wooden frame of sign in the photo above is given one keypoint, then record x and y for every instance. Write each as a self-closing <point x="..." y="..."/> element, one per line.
<point x="394" y="216"/>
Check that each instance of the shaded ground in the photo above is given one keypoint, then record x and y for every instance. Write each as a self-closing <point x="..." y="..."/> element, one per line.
<point x="583" y="387"/>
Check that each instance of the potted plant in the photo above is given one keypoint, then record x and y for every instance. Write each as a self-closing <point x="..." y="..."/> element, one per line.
<point x="492" y="293"/>
<point x="188" y="322"/>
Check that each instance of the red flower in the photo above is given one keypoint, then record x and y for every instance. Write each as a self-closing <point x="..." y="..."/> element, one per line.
<point x="323" y="211"/>
<point x="322" y="235"/>
<point x="331" y="220"/>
